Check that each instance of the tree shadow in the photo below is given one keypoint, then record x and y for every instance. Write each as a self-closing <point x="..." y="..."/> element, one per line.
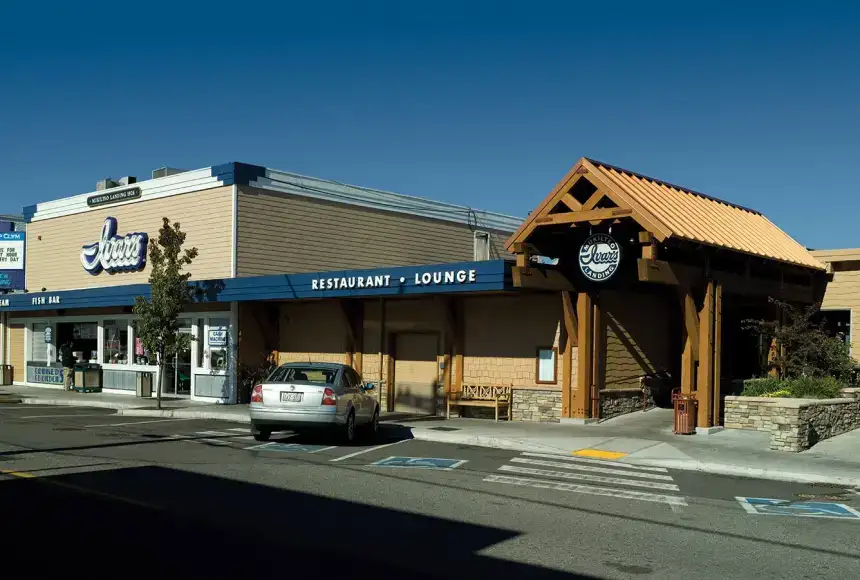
<point x="177" y="524"/>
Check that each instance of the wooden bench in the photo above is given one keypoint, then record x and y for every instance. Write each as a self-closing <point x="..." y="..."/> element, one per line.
<point x="480" y="396"/>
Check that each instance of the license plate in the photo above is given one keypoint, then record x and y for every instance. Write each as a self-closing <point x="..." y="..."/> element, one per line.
<point x="291" y="397"/>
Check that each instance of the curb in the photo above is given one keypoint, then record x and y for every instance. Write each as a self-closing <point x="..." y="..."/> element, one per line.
<point x="185" y="414"/>
<point x="483" y="441"/>
<point x="72" y="403"/>
<point x="714" y="468"/>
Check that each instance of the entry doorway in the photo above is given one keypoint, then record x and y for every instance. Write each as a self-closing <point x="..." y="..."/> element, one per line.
<point x="416" y="373"/>
<point x="178" y="371"/>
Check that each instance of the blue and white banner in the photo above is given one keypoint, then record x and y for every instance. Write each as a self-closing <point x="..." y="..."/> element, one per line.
<point x="12" y="260"/>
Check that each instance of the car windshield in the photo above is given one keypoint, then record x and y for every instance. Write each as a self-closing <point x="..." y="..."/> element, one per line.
<point x="304" y="374"/>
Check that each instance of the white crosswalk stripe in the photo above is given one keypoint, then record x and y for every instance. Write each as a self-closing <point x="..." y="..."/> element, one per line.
<point x="590" y="476"/>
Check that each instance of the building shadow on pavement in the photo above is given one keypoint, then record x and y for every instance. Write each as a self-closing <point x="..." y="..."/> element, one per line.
<point x="176" y="524"/>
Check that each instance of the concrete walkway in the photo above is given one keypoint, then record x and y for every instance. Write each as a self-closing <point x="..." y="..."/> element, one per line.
<point x="643" y="438"/>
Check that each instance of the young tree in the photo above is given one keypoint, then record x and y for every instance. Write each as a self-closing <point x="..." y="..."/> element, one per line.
<point x="806" y="350"/>
<point x="158" y="317"/>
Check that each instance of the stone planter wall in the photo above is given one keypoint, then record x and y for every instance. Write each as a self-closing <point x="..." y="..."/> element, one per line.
<point x="616" y="402"/>
<point x="794" y="424"/>
<point x="537" y="405"/>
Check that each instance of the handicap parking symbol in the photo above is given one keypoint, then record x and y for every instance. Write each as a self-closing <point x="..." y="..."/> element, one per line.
<point x="805" y="509"/>
<point x="421" y="462"/>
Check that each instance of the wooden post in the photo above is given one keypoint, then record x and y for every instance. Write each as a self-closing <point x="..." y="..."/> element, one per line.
<point x="585" y="345"/>
<point x="459" y="343"/>
<point x="597" y="378"/>
<point x="382" y="404"/>
<point x="718" y="352"/>
<point x="358" y="336"/>
<point x="705" y="382"/>
<point x="567" y="339"/>
<point x="690" y="334"/>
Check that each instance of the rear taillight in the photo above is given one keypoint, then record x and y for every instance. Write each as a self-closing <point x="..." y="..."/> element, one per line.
<point x="329" y="398"/>
<point x="257" y="394"/>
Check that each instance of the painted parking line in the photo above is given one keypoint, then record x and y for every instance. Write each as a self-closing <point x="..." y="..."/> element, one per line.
<point x="599" y="454"/>
<point x="291" y="447"/>
<point x="763" y="506"/>
<point x="368" y="450"/>
<point x="438" y="463"/>
<point x="140" y="422"/>
<point x="63" y="415"/>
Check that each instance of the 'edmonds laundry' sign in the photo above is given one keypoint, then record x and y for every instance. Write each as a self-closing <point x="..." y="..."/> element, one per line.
<point x="113" y="253"/>
<point x="599" y="257"/>
<point x="436" y="278"/>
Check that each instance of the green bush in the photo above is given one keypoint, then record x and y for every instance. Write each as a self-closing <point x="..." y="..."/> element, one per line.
<point x="798" y="388"/>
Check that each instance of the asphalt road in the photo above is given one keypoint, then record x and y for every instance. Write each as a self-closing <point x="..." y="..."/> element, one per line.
<point x="86" y="492"/>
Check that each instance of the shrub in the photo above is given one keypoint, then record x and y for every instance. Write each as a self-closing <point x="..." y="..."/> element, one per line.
<point x="799" y="388"/>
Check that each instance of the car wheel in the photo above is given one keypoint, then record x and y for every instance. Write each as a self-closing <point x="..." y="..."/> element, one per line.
<point x="373" y="428"/>
<point x="349" y="432"/>
<point x="261" y="434"/>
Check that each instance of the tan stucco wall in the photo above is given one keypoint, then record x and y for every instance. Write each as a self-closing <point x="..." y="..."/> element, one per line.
<point x="638" y="337"/>
<point x="502" y="335"/>
<point x="16" y="352"/>
<point x="54" y="245"/>
<point x="843" y="293"/>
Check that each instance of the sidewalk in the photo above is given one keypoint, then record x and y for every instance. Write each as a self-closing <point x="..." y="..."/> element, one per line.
<point x="643" y="438"/>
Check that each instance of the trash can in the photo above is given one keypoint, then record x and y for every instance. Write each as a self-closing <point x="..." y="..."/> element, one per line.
<point x="6" y="375"/>
<point x="144" y="384"/>
<point x="685" y="413"/>
<point x="88" y="378"/>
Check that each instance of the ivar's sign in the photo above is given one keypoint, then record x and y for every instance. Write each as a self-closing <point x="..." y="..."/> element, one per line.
<point x="599" y="257"/>
<point x="113" y="253"/>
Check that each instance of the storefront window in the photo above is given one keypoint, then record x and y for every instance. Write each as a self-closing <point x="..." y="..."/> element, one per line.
<point x="218" y="339"/>
<point x="38" y="347"/>
<point x="115" y="342"/>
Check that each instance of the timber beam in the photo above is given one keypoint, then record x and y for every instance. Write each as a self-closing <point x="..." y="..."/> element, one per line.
<point x="540" y="277"/>
<point x="660" y="272"/>
<point x="574" y="217"/>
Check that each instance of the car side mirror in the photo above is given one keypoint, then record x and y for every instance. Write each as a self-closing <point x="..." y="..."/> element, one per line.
<point x="369" y="387"/>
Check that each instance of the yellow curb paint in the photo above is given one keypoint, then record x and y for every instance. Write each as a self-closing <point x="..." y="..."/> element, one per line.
<point x="20" y="474"/>
<point x="599" y="454"/>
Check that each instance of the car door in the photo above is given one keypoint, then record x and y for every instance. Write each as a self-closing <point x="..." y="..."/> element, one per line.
<point x="364" y="401"/>
<point x="351" y="394"/>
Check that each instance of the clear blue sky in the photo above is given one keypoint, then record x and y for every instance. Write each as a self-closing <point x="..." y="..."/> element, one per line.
<point x="482" y="103"/>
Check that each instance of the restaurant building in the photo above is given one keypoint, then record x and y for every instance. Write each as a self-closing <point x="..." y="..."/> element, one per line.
<point x="615" y="289"/>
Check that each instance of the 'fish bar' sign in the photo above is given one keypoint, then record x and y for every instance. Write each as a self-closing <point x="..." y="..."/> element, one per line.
<point x="113" y="253"/>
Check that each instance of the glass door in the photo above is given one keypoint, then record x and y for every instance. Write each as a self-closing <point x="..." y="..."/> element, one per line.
<point x="178" y="375"/>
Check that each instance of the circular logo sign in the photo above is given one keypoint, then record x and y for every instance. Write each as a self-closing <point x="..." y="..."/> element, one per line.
<point x="599" y="257"/>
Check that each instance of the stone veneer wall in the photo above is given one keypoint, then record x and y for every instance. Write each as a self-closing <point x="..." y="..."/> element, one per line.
<point x="537" y="405"/>
<point x="616" y="402"/>
<point x="793" y="424"/>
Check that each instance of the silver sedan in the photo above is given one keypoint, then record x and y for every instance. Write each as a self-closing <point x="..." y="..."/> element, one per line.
<point x="299" y="396"/>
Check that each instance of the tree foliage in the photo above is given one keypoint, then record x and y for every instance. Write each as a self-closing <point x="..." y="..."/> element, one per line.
<point x="170" y="293"/>
<point x="804" y="347"/>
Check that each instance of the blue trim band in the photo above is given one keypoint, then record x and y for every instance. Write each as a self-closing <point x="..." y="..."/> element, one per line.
<point x="235" y="173"/>
<point x="459" y="277"/>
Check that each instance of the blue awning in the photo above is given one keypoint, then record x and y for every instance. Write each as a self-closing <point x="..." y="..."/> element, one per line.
<point x="460" y="277"/>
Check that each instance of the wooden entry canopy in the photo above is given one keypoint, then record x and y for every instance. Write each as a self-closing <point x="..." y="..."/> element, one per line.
<point x="703" y="246"/>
